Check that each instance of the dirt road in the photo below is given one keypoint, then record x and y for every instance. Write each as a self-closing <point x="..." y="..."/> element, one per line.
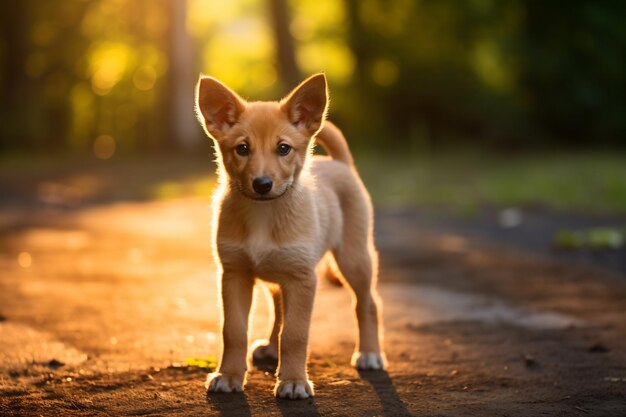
<point x="101" y="307"/>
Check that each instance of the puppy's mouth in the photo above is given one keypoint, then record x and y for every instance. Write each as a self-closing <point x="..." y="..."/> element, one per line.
<point x="258" y="197"/>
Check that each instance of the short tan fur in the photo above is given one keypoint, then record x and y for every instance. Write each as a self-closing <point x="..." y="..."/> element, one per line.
<point x="281" y="214"/>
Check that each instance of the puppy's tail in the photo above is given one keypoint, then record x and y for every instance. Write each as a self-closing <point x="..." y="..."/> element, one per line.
<point x="328" y="269"/>
<point x="335" y="144"/>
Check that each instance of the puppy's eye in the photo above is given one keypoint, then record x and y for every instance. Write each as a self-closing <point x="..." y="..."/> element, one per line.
<point x="242" y="149"/>
<point x="284" y="149"/>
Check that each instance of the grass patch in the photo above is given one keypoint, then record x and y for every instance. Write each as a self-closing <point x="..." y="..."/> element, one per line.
<point x="584" y="182"/>
<point x="591" y="182"/>
<point x="188" y="187"/>
<point x="593" y="239"/>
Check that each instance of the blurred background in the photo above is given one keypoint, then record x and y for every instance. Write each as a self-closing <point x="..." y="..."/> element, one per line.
<point x="490" y="133"/>
<point x="503" y="74"/>
<point x="455" y="105"/>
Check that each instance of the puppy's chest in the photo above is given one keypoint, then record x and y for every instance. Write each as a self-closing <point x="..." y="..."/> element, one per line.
<point x="265" y="237"/>
<point x="260" y="237"/>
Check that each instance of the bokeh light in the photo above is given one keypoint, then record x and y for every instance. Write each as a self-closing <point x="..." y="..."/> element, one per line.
<point x="104" y="147"/>
<point x="24" y="259"/>
<point x="385" y="72"/>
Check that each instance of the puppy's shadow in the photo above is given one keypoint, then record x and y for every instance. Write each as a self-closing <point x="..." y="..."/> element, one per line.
<point x="228" y="404"/>
<point x="265" y="364"/>
<point x="386" y="392"/>
<point x="287" y="407"/>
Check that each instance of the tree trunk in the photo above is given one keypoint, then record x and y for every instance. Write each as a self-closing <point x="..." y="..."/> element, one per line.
<point x="12" y="90"/>
<point x="183" y="126"/>
<point x="358" y="42"/>
<point x="287" y="67"/>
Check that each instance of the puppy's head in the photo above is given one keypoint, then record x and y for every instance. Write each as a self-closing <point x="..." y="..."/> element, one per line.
<point x="262" y="146"/>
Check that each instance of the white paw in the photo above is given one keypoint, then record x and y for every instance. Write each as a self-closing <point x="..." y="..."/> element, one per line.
<point x="366" y="361"/>
<point x="263" y="350"/>
<point x="217" y="382"/>
<point x="294" y="389"/>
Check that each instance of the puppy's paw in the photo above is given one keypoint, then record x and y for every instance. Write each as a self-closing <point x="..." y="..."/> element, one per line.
<point x="264" y="351"/>
<point x="369" y="361"/>
<point x="294" y="389"/>
<point x="217" y="382"/>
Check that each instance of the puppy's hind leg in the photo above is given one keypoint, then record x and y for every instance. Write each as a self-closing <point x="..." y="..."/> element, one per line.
<point x="265" y="351"/>
<point x="358" y="264"/>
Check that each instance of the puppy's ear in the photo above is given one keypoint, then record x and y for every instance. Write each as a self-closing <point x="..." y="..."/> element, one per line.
<point x="307" y="104"/>
<point x="218" y="107"/>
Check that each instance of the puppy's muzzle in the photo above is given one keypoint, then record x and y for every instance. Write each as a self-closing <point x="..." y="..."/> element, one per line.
<point x="262" y="185"/>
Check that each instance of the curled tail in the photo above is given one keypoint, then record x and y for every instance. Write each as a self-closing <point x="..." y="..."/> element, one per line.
<point x="335" y="144"/>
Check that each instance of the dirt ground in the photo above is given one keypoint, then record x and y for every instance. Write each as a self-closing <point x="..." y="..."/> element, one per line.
<point x="101" y="306"/>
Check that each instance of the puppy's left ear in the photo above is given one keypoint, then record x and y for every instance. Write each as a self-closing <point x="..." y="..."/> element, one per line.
<point x="218" y="106"/>
<point x="307" y="104"/>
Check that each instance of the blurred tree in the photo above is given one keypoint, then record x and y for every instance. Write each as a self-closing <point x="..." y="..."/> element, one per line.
<point x="182" y="78"/>
<point x="428" y="72"/>
<point x="13" y="84"/>
<point x="573" y="60"/>
<point x="499" y="71"/>
<point x="359" y="41"/>
<point x="285" y="55"/>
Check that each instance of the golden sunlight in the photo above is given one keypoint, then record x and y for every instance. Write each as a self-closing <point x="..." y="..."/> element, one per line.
<point x="108" y="62"/>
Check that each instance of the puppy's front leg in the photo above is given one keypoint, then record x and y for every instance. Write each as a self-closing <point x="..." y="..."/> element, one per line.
<point x="236" y="300"/>
<point x="298" y="294"/>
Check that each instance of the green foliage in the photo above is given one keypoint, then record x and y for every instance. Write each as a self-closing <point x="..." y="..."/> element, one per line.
<point x="79" y="69"/>
<point x="573" y="58"/>
<point x="503" y="72"/>
<point x="464" y="181"/>
<point x="431" y="72"/>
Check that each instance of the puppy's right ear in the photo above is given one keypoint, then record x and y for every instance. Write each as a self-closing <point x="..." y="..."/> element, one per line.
<point x="218" y="106"/>
<point x="307" y="104"/>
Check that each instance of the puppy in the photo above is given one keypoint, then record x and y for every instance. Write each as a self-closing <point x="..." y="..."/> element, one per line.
<point x="279" y="212"/>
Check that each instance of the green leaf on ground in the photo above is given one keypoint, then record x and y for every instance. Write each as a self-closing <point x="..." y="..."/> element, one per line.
<point x="209" y="363"/>
<point x="596" y="239"/>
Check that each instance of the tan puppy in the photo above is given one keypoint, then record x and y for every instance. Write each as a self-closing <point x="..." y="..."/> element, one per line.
<point x="278" y="212"/>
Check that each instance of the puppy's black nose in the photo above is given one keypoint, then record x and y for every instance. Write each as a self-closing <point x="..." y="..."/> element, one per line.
<point x="262" y="185"/>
